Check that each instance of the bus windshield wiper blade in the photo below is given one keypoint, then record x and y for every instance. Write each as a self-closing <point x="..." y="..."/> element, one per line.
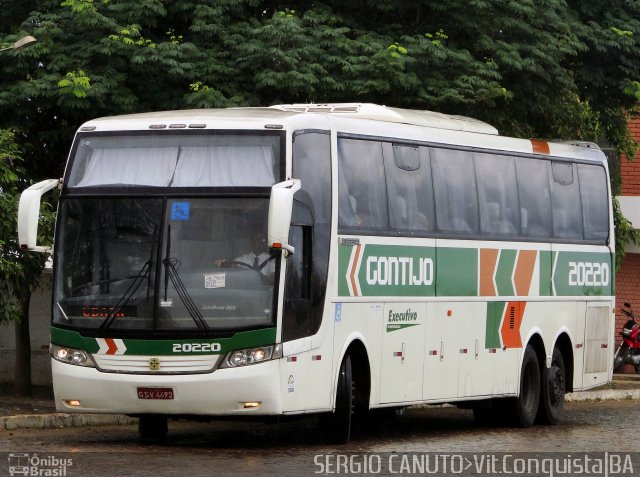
<point x="186" y="299"/>
<point x="142" y="274"/>
<point x="171" y="273"/>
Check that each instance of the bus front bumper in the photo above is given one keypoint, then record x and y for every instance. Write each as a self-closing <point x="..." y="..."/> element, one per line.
<point x="247" y="390"/>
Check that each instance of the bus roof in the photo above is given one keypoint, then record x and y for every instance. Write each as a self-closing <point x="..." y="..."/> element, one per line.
<point x="395" y="115"/>
<point x="358" y="118"/>
<point x="367" y="111"/>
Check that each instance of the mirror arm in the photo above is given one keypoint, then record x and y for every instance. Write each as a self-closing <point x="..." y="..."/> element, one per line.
<point x="29" y="213"/>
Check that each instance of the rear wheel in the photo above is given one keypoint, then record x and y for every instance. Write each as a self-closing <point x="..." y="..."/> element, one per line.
<point x="553" y="390"/>
<point x="152" y="427"/>
<point x="524" y="408"/>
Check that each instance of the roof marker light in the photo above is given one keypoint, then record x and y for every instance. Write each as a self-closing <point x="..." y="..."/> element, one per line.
<point x="157" y="126"/>
<point x="273" y="126"/>
<point x="197" y="126"/>
<point x="177" y="126"/>
<point x="88" y="128"/>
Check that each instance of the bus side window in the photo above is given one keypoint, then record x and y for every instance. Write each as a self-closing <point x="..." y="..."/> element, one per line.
<point x="295" y="322"/>
<point x="454" y="184"/>
<point x="593" y="193"/>
<point x="312" y="165"/>
<point x="361" y="185"/>
<point x="408" y="173"/>
<point x="565" y="201"/>
<point x="534" y="196"/>
<point x="497" y="195"/>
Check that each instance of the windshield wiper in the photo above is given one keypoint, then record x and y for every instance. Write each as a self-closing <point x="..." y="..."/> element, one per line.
<point x="145" y="272"/>
<point x="137" y="280"/>
<point x="171" y="273"/>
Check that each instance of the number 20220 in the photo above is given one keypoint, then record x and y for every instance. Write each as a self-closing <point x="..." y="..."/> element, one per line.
<point x="196" y="347"/>
<point x="589" y="274"/>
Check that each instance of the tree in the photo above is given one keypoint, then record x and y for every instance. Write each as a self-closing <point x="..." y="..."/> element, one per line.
<point x="546" y="68"/>
<point x="19" y="271"/>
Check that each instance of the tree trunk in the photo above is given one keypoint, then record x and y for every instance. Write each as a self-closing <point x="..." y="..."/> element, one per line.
<point x="23" y="351"/>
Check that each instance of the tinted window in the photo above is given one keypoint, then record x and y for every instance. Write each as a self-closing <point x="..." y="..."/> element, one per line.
<point x="361" y="187"/>
<point x="409" y="186"/>
<point x="595" y="204"/>
<point x="497" y="195"/>
<point x="565" y="201"/>
<point x="312" y="165"/>
<point x="534" y="196"/>
<point x="454" y="184"/>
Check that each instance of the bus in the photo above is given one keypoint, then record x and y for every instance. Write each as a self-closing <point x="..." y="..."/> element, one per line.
<point x="329" y="259"/>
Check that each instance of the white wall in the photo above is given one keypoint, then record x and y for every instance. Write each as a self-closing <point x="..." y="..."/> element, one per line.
<point x="39" y="322"/>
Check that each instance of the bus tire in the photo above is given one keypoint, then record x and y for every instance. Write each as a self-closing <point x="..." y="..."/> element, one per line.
<point x="552" y="390"/>
<point x="152" y="427"/>
<point x="525" y="407"/>
<point x="337" y="426"/>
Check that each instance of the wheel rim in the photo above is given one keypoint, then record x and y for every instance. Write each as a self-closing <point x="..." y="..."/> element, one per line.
<point x="556" y="385"/>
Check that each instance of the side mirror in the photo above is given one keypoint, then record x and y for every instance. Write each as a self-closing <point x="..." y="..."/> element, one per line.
<point x="29" y="212"/>
<point x="280" y="206"/>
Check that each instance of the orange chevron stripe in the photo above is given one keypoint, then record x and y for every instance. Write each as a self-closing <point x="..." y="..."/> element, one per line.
<point x="113" y="347"/>
<point x="511" y="322"/>
<point x="488" y="260"/>
<point x="352" y="276"/>
<point x="524" y="271"/>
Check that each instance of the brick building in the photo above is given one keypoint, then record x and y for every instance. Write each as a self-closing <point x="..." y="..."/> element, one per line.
<point x="628" y="278"/>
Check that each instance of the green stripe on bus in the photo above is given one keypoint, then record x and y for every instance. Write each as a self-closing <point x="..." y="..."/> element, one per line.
<point x="546" y="265"/>
<point x="495" y="312"/>
<point x="583" y="274"/>
<point x="240" y="340"/>
<point x="344" y="255"/>
<point x="504" y="272"/>
<point x="457" y="272"/>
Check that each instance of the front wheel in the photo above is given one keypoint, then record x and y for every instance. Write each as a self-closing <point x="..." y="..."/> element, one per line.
<point x="337" y="426"/>
<point x="524" y="408"/>
<point x="621" y="356"/>
<point x="553" y="390"/>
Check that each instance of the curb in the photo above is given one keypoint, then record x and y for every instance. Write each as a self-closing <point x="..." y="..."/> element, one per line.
<point x="604" y="395"/>
<point x="59" y="420"/>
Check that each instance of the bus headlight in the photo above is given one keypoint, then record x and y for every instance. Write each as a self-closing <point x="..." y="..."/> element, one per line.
<point x="245" y="357"/>
<point x="76" y="357"/>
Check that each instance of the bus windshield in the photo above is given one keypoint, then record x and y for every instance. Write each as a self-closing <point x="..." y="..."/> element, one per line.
<point x="164" y="264"/>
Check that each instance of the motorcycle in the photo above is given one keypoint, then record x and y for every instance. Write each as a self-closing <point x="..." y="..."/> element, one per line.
<point x="629" y="350"/>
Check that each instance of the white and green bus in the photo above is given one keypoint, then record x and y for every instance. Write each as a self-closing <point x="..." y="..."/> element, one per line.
<point x="325" y="259"/>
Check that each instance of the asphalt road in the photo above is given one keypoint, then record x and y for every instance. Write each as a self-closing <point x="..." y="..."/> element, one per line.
<point x="294" y="449"/>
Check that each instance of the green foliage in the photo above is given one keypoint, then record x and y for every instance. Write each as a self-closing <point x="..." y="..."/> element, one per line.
<point x="547" y="68"/>
<point x="625" y="233"/>
<point x="19" y="271"/>
<point x="75" y="83"/>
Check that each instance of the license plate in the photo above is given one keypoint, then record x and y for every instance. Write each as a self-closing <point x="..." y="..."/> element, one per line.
<point x="155" y="393"/>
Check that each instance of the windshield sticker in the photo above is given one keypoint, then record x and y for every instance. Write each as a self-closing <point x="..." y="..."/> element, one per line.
<point x="180" y="211"/>
<point x="215" y="280"/>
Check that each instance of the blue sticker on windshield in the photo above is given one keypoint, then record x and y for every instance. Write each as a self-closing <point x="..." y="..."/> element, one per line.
<point x="180" y="211"/>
